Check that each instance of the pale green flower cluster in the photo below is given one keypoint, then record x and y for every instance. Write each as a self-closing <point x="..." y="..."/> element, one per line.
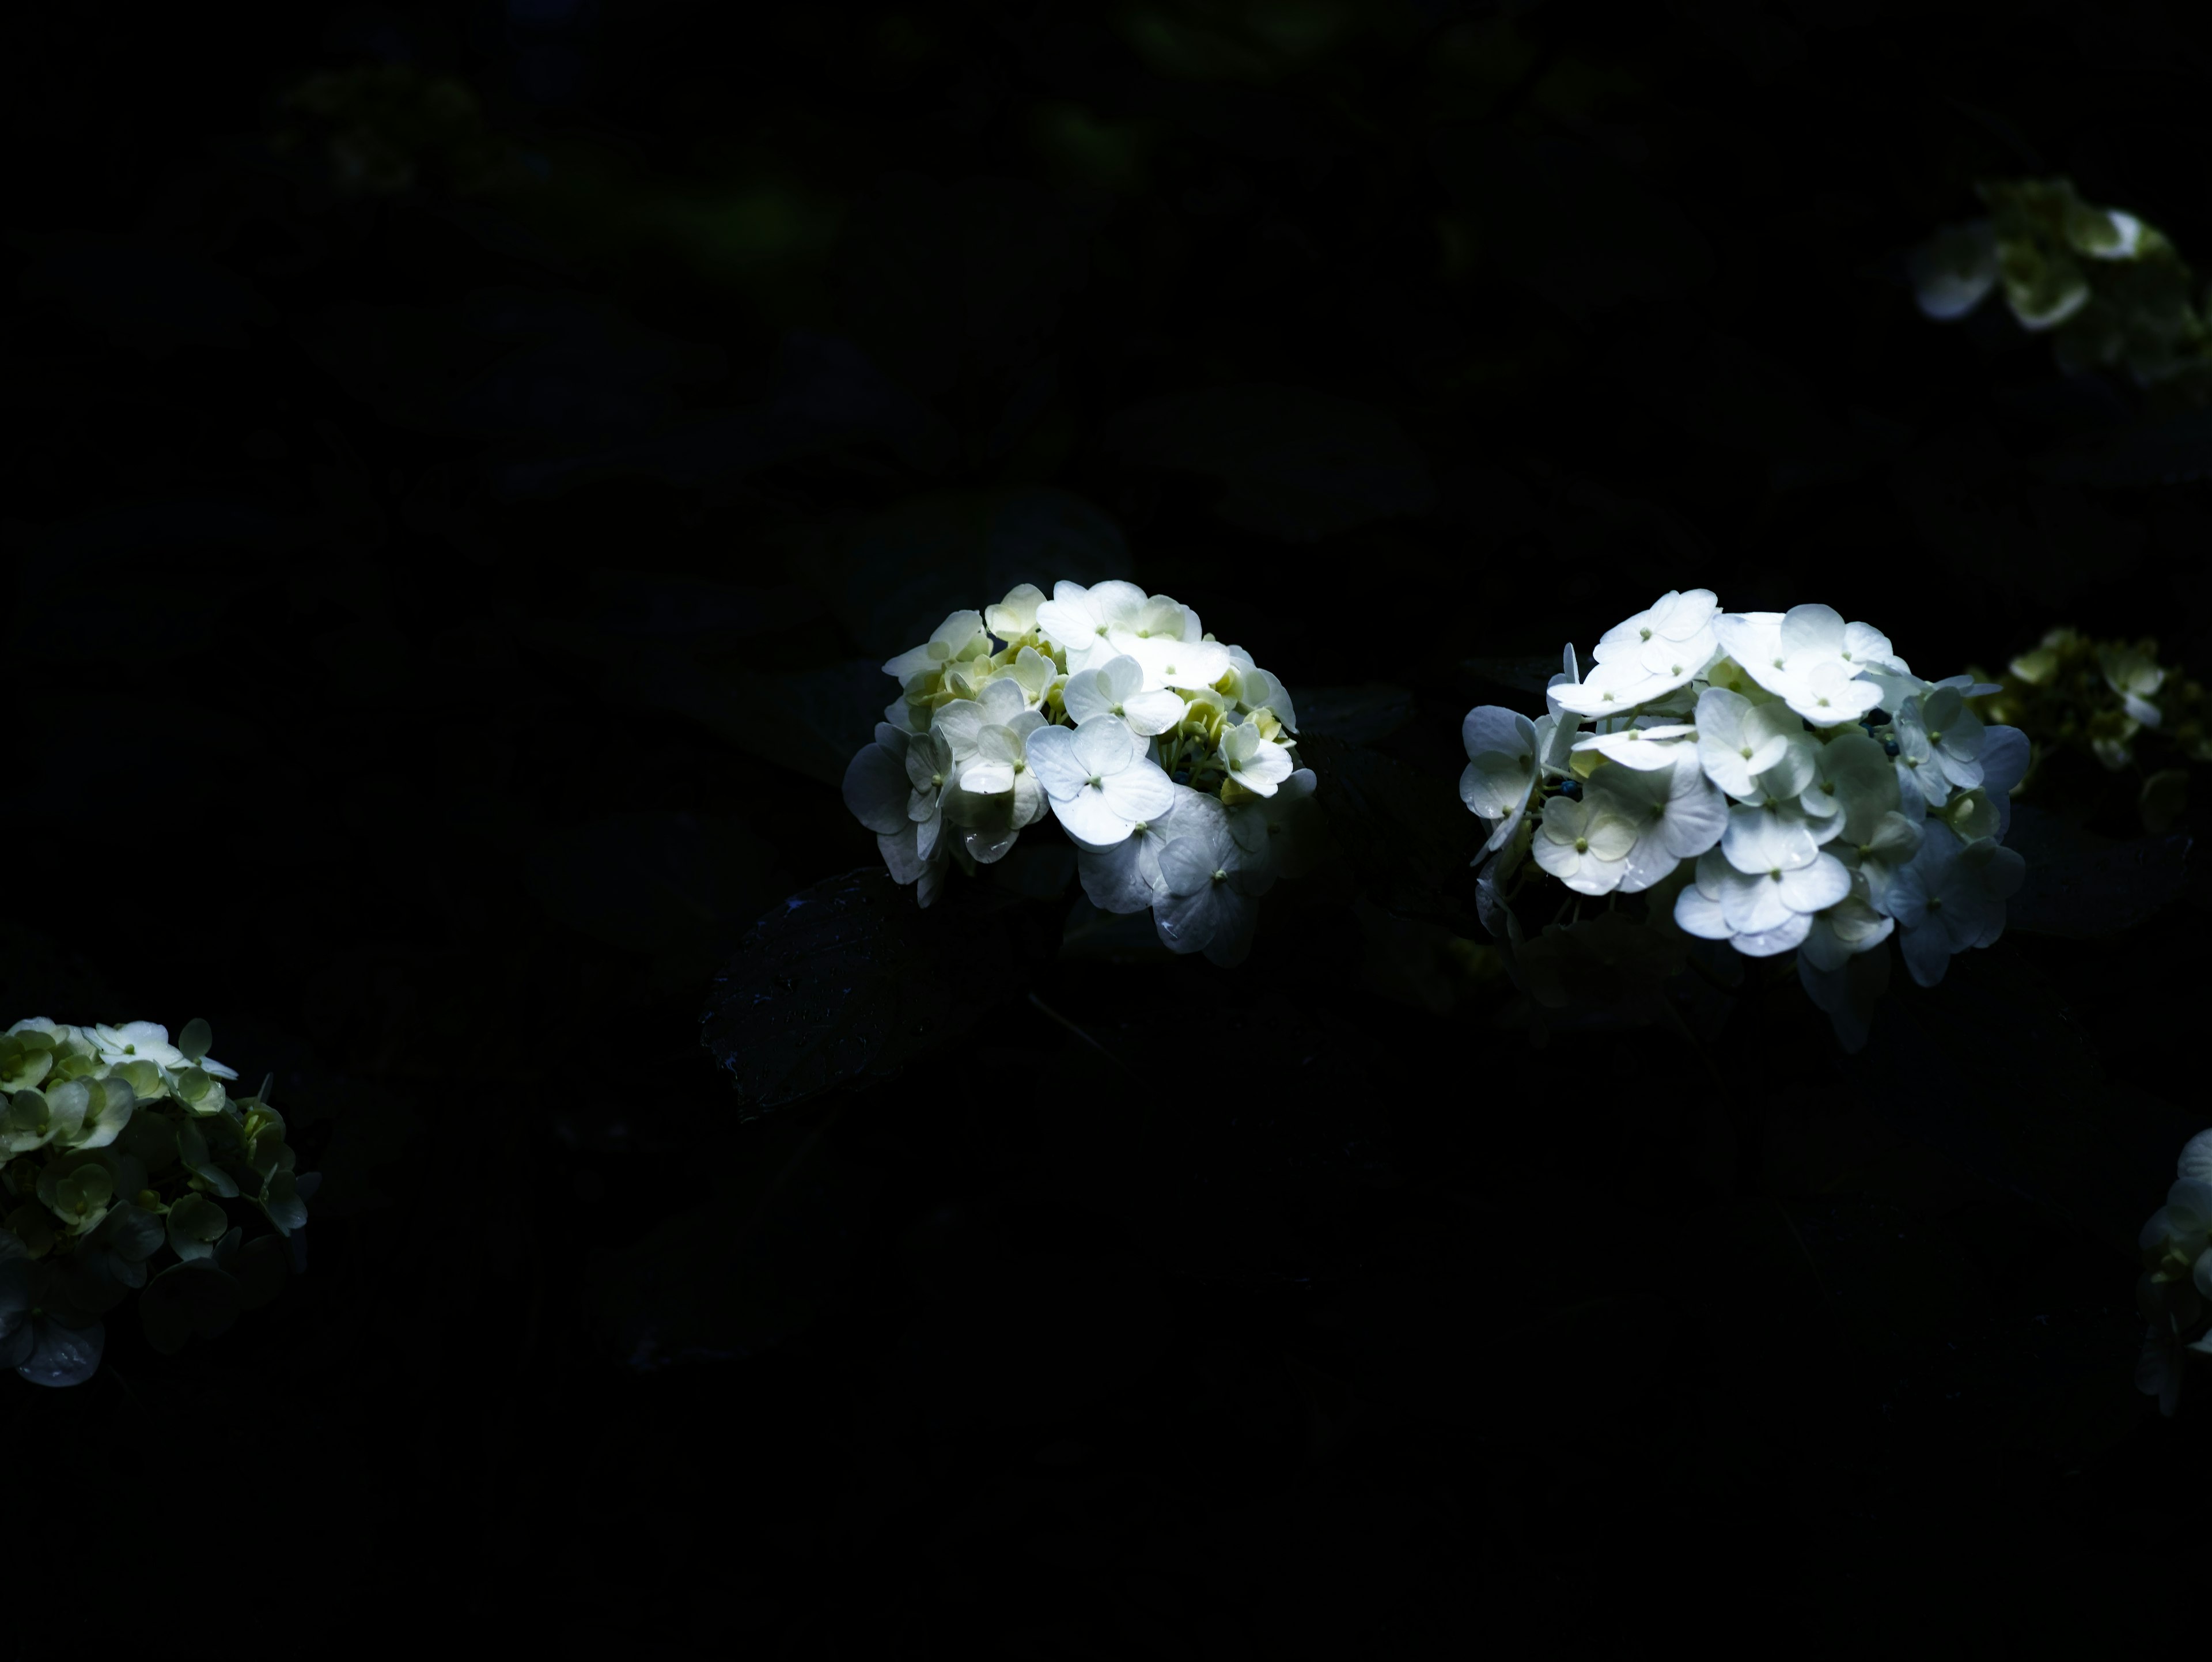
<point x="116" y="1146"/>
<point x="2112" y="291"/>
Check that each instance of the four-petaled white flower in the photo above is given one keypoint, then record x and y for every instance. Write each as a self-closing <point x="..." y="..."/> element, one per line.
<point x="1117" y="687"/>
<point x="1951" y="897"/>
<point x="1676" y="619"/>
<point x="1939" y="741"/>
<point x="1125" y="876"/>
<point x="1100" y="781"/>
<point x="1207" y="904"/>
<point x="1082" y="621"/>
<point x="1501" y="768"/>
<point x="1584" y="844"/>
<point x="1739" y="740"/>
<point x="1253" y="762"/>
<point x="1676" y="812"/>
<point x="955" y="637"/>
<point x="1016" y="615"/>
<point x="142" y="1039"/>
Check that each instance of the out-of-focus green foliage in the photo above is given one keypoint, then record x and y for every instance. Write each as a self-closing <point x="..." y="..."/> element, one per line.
<point x="381" y="129"/>
<point x="2113" y="291"/>
<point x="2110" y="700"/>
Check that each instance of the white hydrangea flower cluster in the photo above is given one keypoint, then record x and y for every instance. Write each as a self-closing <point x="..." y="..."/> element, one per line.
<point x="2175" y="1292"/>
<point x="114" y="1143"/>
<point x="1783" y="779"/>
<point x="1168" y="757"/>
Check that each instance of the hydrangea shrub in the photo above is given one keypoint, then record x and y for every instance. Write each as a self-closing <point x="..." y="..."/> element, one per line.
<point x="1168" y="757"/>
<point x="117" y="1148"/>
<point x="1781" y="782"/>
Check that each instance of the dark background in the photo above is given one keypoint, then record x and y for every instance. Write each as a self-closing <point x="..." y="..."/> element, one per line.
<point x="452" y="545"/>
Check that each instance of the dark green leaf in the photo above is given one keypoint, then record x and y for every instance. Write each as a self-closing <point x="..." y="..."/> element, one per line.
<point x="848" y="981"/>
<point x="653" y="883"/>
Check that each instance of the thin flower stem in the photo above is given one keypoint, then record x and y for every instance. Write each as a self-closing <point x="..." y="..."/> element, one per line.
<point x="1056" y="1015"/>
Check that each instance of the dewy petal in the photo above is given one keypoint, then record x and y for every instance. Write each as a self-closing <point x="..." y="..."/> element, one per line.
<point x="988" y="778"/>
<point x="1647" y="862"/>
<point x="1817" y="886"/>
<point x="900" y="855"/>
<point x="1765" y="943"/>
<point x="1763" y="840"/>
<point x="1494" y="727"/>
<point x="1188" y="923"/>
